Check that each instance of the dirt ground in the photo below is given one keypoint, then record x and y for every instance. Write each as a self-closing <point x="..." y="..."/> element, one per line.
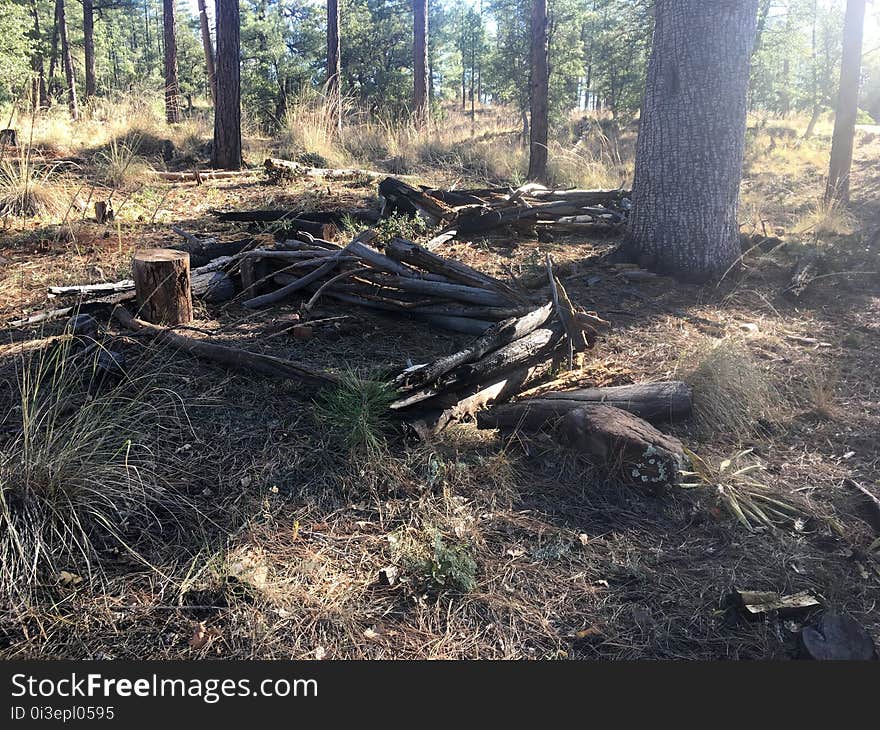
<point x="568" y="564"/>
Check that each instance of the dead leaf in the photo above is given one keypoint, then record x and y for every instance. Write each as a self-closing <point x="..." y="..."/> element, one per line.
<point x="67" y="578"/>
<point x="320" y="653"/>
<point x="202" y="635"/>
<point x="371" y="634"/>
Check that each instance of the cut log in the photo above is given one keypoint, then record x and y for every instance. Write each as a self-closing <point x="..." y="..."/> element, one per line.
<point x="655" y="402"/>
<point x="249" y="362"/>
<point x="199" y="176"/>
<point x="278" y="169"/>
<point x="294" y="286"/>
<point x="162" y="284"/>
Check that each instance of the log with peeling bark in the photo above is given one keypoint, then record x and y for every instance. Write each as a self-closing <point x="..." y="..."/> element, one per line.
<point x="233" y="357"/>
<point x="404" y="198"/>
<point x="199" y="176"/>
<point x="654" y="402"/>
<point x="278" y="169"/>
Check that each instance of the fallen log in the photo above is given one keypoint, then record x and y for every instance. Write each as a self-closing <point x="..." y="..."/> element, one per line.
<point x="499" y="335"/>
<point x="404" y="198"/>
<point x="457" y="292"/>
<point x="452" y="270"/>
<point x="232" y="357"/>
<point x="294" y="286"/>
<point x="204" y="250"/>
<point x="655" y="402"/>
<point x="89" y="306"/>
<point x="291" y="219"/>
<point x="199" y="176"/>
<point x="278" y="169"/>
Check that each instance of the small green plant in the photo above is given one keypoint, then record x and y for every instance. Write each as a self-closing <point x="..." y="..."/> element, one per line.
<point x="740" y="493"/>
<point x="430" y="556"/>
<point x="356" y="411"/>
<point x="401" y="225"/>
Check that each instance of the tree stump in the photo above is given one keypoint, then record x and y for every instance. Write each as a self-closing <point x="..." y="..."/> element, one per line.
<point x="162" y="284"/>
<point x="104" y="211"/>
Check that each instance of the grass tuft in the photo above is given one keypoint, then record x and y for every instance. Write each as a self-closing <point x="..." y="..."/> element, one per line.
<point x="27" y="191"/>
<point x="732" y="394"/>
<point x="120" y="166"/>
<point x="356" y="411"/>
<point x="83" y="473"/>
<point x="431" y="557"/>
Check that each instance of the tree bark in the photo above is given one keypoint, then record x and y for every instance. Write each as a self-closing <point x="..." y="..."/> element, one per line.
<point x="68" y="61"/>
<point x="420" y="60"/>
<point x="40" y="94"/>
<point x="89" y="47"/>
<point x="172" y="87"/>
<point x="691" y="137"/>
<point x="209" y="49"/>
<point x="538" y="92"/>
<point x="837" y="188"/>
<point x="334" y="68"/>
<point x="227" y="112"/>
<point x="162" y="283"/>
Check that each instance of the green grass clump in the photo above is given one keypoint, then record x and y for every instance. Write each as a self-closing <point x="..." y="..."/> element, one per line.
<point x="431" y="557"/>
<point x="356" y="411"/>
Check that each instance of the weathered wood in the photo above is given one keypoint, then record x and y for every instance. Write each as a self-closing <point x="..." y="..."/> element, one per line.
<point x="277" y="169"/>
<point x="213" y="286"/>
<point x="162" y="284"/>
<point x="204" y="250"/>
<point x="290" y="218"/>
<point x="199" y="176"/>
<point x="249" y="362"/>
<point x="404" y="198"/>
<point x="536" y="346"/>
<point x="655" y="402"/>
<point x="499" y="335"/>
<point x="442" y="290"/>
<point x="294" y="286"/>
<point x="455" y="271"/>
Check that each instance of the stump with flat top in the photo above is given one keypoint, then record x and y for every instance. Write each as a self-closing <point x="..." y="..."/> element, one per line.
<point x="162" y="284"/>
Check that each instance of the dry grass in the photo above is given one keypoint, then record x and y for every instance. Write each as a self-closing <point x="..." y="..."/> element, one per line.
<point x="824" y="219"/>
<point x="91" y="471"/>
<point x="120" y="166"/>
<point x="29" y="191"/>
<point x="733" y="395"/>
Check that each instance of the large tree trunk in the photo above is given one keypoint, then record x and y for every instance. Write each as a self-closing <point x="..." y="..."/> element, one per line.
<point x="53" y="54"/>
<point x="837" y="189"/>
<point x="68" y="61"/>
<point x="420" y="59"/>
<point x="227" y="112"/>
<point x="690" y="149"/>
<point x="89" y="46"/>
<point x="172" y="88"/>
<point x="209" y="49"/>
<point x="538" y="92"/>
<point x="334" y="69"/>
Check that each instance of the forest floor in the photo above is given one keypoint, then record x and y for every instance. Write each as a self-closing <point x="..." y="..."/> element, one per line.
<point x="287" y="528"/>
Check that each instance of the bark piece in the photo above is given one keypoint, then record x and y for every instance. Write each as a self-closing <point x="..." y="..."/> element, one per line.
<point x="162" y="284"/>
<point x="104" y="211"/>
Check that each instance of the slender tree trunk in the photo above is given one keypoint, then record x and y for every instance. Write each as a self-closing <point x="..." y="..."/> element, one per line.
<point x="538" y="92"/>
<point x="420" y="60"/>
<point x="334" y="67"/>
<point x="227" y="113"/>
<point x="172" y="87"/>
<point x="53" y="54"/>
<point x="690" y="148"/>
<point x="837" y="189"/>
<point x="68" y="62"/>
<point x="209" y="50"/>
<point x="89" y="46"/>
<point x="41" y="95"/>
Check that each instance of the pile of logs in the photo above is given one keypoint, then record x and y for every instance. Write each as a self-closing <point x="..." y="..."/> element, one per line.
<point x="532" y="207"/>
